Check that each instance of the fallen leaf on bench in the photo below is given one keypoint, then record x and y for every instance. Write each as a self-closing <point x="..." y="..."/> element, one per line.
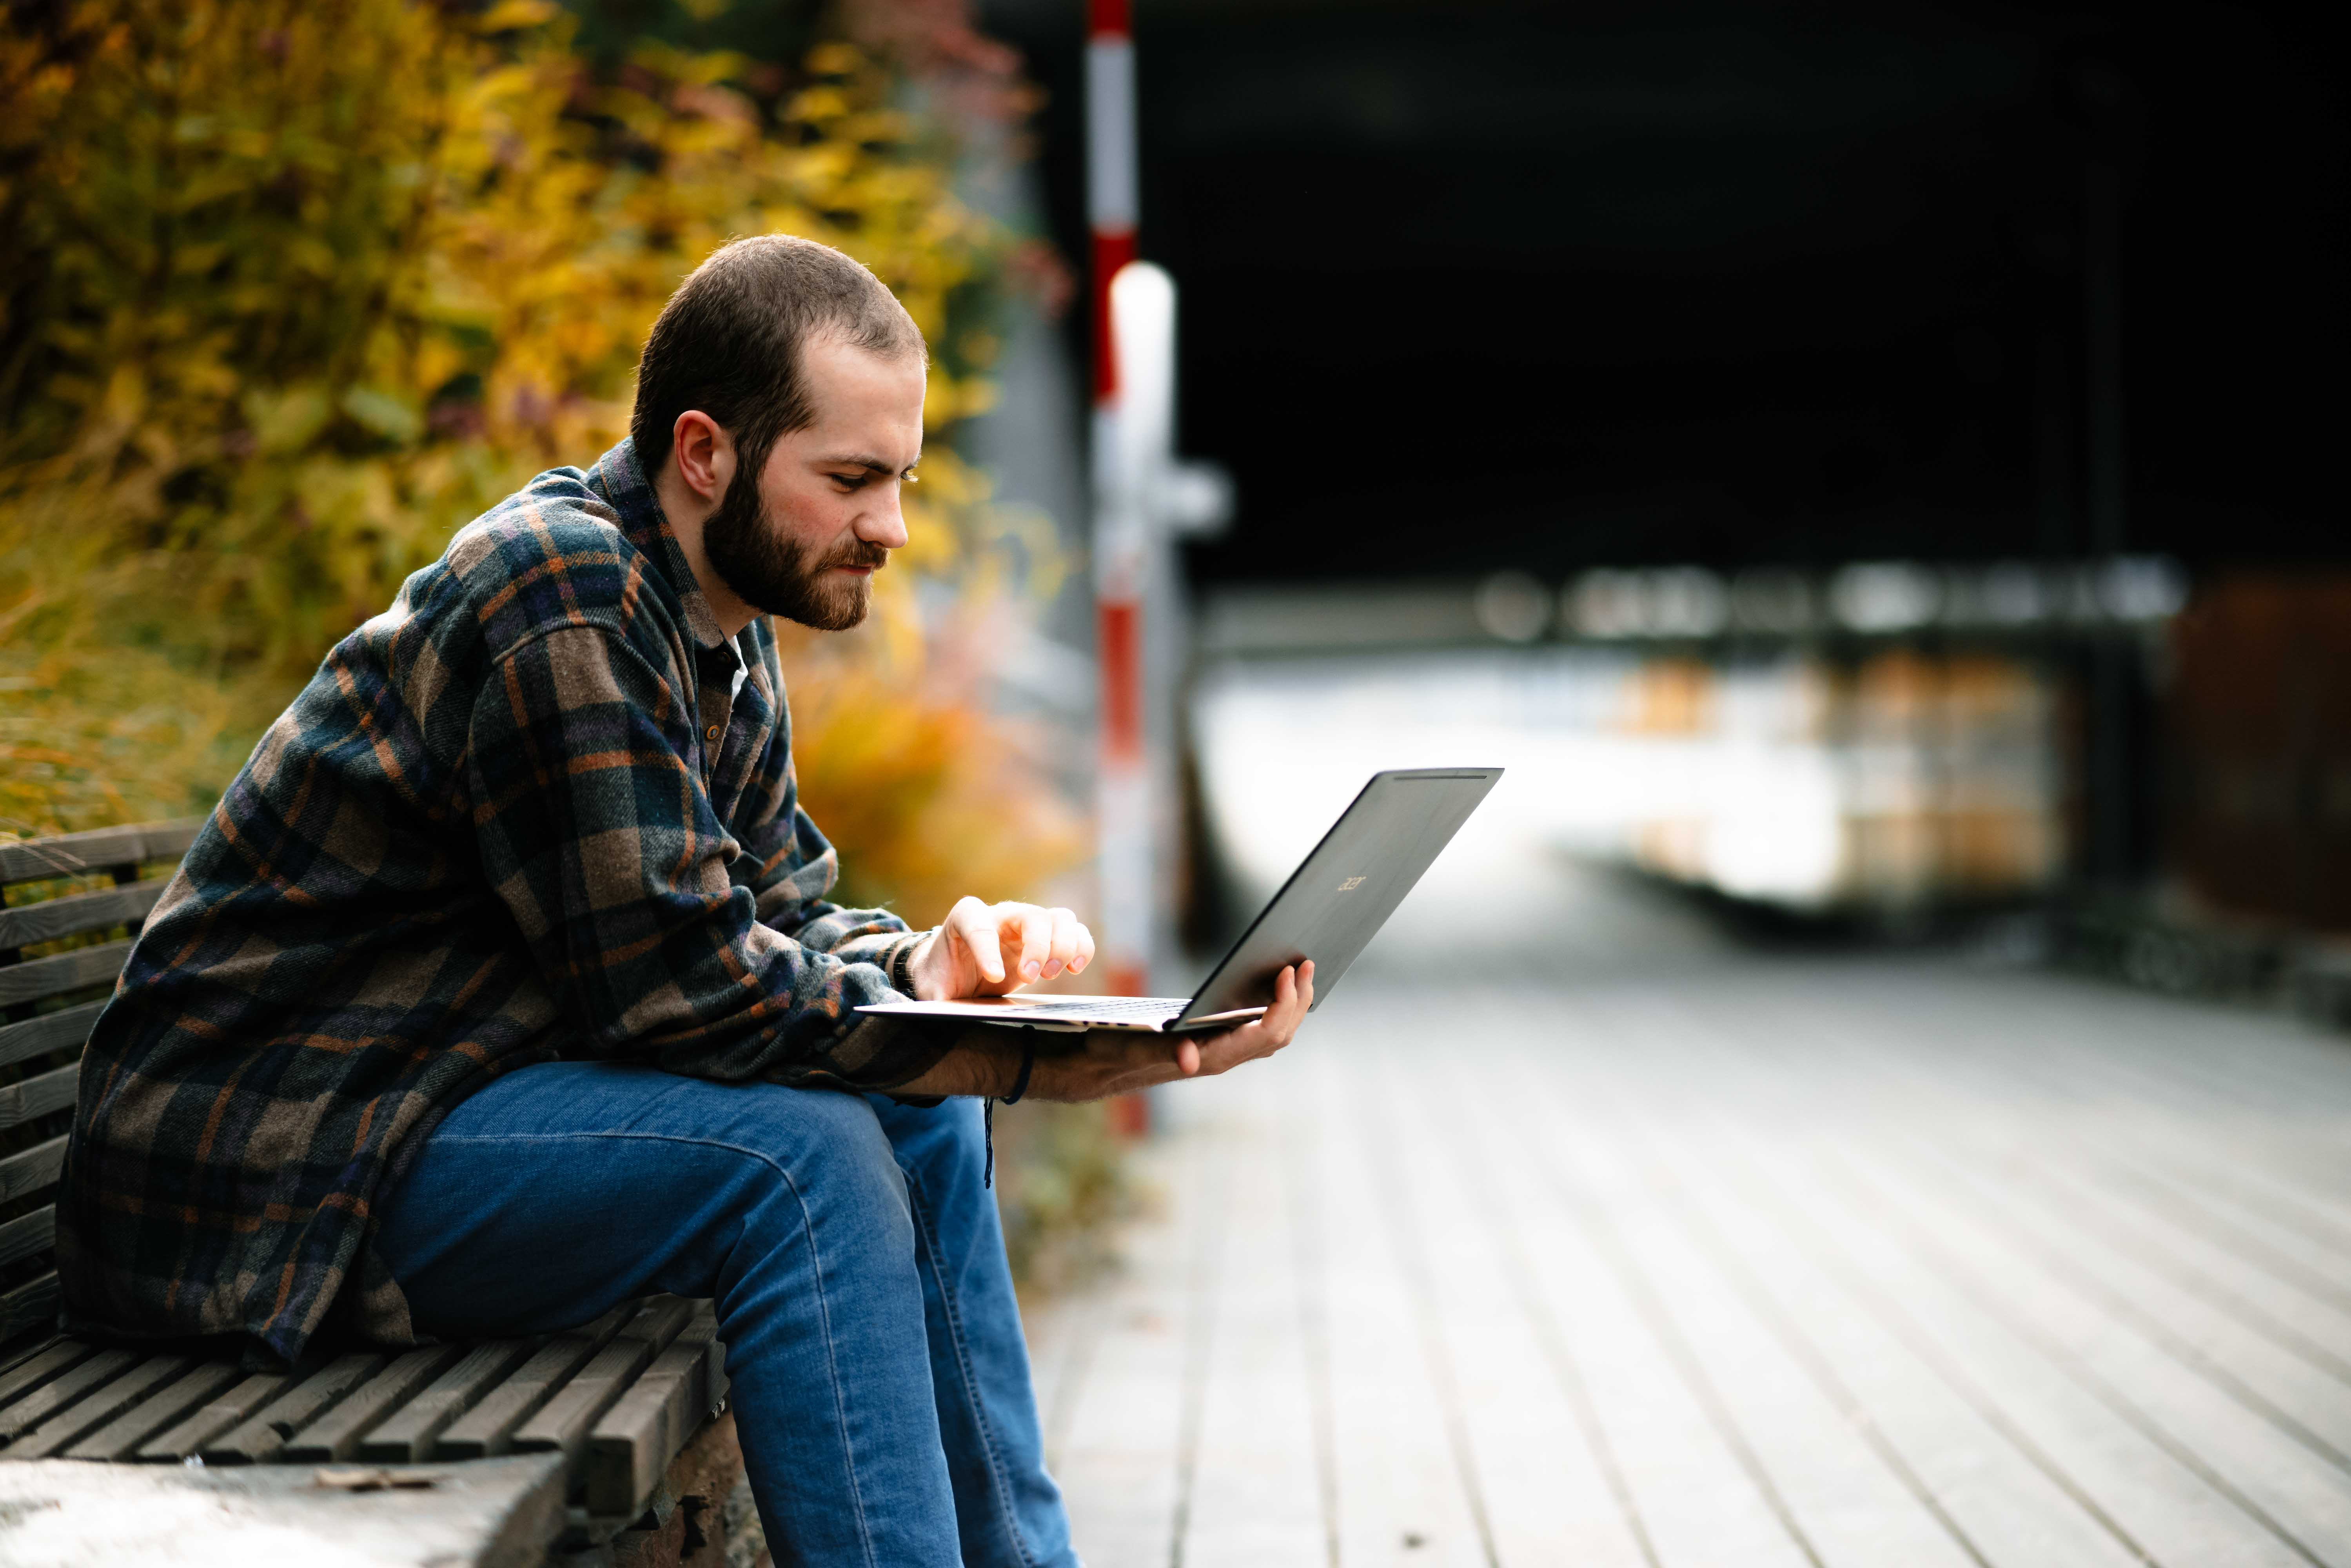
<point x="355" y="1477"/>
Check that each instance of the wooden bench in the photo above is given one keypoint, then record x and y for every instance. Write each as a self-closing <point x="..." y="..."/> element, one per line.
<point x="605" y="1444"/>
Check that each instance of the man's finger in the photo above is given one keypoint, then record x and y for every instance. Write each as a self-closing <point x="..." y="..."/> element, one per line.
<point x="1285" y="997"/>
<point x="1030" y="934"/>
<point x="1064" y="953"/>
<point x="1085" y="950"/>
<point x="1293" y="993"/>
<point x="1301" y="993"/>
<point x="969" y="921"/>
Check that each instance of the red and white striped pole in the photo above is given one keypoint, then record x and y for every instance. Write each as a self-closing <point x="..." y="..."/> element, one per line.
<point x="1123" y="799"/>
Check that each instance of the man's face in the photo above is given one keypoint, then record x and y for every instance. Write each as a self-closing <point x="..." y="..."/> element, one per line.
<point x="803" y="537"/>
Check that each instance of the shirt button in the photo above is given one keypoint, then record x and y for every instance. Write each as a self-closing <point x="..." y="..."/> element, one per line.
<point x="710" y="733"/>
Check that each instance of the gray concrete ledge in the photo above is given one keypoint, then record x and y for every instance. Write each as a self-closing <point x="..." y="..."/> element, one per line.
<point x="481" y="1514"/>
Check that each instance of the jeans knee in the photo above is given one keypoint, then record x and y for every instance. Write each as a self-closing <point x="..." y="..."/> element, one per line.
<point x="831" y="1171"/>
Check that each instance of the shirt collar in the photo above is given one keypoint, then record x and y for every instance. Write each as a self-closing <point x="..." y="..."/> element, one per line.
<point x="620" y="480"/>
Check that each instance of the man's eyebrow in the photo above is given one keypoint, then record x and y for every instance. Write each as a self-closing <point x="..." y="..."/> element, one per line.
<point x="862" y="460"/>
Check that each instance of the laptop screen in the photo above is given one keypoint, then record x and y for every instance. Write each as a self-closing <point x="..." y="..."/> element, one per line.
<point x="1343" y="893"/>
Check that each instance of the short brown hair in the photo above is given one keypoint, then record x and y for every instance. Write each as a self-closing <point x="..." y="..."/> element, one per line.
<point x="728" y="341"/>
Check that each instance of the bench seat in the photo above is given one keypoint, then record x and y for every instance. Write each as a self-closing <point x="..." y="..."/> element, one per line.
<point x="496" y="1453"/>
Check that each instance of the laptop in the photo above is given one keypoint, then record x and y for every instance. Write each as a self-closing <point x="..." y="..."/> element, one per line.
<point x="1328" y="911"/>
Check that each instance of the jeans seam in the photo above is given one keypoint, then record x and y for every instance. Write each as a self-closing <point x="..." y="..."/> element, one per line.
<point x="1008" y="1515"/>
<point x="816" y="1262"/>
<point x="831" y="1366"/>
<point x="760" y="1155"/>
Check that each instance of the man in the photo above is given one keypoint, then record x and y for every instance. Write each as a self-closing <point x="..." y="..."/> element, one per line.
<point x="500" y="987"/>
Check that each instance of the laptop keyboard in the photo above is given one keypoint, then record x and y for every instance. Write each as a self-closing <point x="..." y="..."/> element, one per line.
<point x="1112" y="1007"/>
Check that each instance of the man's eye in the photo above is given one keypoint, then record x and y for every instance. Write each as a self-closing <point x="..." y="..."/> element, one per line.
<point x="851" y="481"/>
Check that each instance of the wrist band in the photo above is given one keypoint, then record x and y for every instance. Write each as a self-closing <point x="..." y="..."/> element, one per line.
<point x="901" y="964"/>
<point x="1028" y="1064"/>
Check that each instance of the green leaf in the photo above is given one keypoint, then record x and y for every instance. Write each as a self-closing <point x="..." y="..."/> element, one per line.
<point x="386" y="413"/>
<point x="285" y="421"/>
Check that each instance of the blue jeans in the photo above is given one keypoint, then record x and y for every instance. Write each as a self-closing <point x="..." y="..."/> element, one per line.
<point x="878" y="1375"/>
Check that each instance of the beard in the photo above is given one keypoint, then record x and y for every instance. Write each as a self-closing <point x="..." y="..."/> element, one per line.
<point x="772" y="572"/>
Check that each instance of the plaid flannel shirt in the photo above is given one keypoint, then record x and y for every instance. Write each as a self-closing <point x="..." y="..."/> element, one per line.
<point x="541" y="808"/>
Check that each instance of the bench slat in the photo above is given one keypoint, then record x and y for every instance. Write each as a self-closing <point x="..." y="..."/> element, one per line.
<point x="78" y="913"/>
<point x="64" y="1390"/>
<point x="59" y="1433"/>
<point x="336" y="1435"/>
<point x="24" y="1351"/>
<point x="631" y="1447"/>
<point x="30" y="1170"/>
<point x="27" y="1234"/>
<point x="38" y="1095"/>
<point x="31" y="1305"/>
<point x="74" y="855"/>
<point x="562" y="1425"/>
<point x="262" y="1435"/>
<point x="52" y="1361"/>
<point x="407" y="1435"/>
<point x="66" y="1029"/>
<point x="120" y="1437"/>
<point x="37" y="977"/>
<point x="216" y="1417"/>
<point x="488" y="1429"/>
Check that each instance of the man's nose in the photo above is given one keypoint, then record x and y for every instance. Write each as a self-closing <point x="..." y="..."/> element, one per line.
<point x="885" y="524"/>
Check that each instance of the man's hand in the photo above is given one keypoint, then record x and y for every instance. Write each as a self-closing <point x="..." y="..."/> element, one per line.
<point x="1109" y="1061"/>
<point x="989" y="949"/>
<point x="1116" y="1060"/>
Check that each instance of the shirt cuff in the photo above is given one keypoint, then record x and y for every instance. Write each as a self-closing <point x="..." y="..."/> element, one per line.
<point x="901" y="965"/>
<point x="892" y="952"/>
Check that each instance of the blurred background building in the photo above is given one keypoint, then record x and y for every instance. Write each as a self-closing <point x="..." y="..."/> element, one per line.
<point x="1857" y="461"/>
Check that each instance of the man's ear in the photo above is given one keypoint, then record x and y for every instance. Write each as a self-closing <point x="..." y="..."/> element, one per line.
<point x="703" y="453"/>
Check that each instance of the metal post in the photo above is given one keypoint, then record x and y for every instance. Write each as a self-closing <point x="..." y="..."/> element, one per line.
<point x="1123" y="792"/>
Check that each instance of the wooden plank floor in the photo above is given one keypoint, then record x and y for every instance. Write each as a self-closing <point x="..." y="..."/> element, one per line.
<point x="1794" y="1263"/>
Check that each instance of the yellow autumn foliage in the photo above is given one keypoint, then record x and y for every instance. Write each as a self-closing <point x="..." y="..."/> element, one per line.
<point x="289" y="292"/>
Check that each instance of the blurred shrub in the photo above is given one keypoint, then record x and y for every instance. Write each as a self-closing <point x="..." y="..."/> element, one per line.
<point x="292" y="291"/>
<point x="1060" y="1180"/>
<point x="935" y="796"/>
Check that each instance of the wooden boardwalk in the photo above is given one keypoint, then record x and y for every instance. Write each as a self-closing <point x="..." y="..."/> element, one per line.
<point x="1754" y="1265"/>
